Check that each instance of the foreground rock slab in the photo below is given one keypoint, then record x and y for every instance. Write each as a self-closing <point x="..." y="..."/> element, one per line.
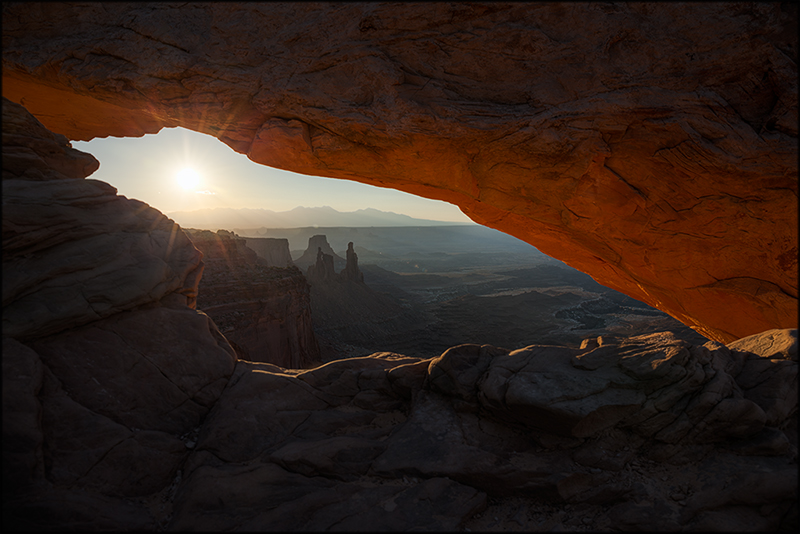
<point x="647" y="433"/>
<point x="73" y="250"/>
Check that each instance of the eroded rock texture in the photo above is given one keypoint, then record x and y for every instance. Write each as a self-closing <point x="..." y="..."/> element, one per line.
<point x="124" y="408"/>
<point x="141" y="418"/>
<point x="275" y="251"/>
<point x="108" y="370"/>
<point x="73" y="250"/>
<point x="264" y="311"/>
<point x="651" y="145"/>
<point x="310" y="256"/>
<point x="648" y="433"/>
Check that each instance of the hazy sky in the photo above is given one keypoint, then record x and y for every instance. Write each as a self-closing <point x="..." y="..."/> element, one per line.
<point x="152" y="169"/>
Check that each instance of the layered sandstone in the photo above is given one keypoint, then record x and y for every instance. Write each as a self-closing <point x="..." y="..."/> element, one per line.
<point x="108" y="370"/>
<point x="263" y="311"/>
<point x="73" y="250"/>
<point x="651" y="145"/>
<point x="274" y="251"/>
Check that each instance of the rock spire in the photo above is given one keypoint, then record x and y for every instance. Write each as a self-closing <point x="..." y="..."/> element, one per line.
<point x="351" y="271"/>
<point x="322" y="270"/>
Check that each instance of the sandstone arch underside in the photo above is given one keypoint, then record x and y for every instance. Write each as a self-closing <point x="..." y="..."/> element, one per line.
<point x="652" y="146"/>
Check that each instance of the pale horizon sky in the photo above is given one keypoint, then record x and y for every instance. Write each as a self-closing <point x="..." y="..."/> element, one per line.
<point x="149" y="169"/>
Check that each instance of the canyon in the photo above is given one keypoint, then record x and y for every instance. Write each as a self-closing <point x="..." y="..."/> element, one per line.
<point x="426" y="289"/>
<point x="350" y="317"/>
<point x="652" y="146"/>
<point x="264" y="310"/>
<point x="274" y="251"/>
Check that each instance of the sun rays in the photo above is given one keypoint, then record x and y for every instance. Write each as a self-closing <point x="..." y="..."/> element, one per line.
<point x="188" y="179"/>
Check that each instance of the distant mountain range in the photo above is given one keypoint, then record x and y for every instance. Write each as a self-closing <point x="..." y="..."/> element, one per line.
<point x="300" y="217"/>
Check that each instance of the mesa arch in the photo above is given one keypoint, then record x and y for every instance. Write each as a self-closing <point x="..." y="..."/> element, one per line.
<point x="652" y="146"/>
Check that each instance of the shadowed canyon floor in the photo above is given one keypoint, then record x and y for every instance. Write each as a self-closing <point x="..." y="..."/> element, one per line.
<point x="428" y="289"/>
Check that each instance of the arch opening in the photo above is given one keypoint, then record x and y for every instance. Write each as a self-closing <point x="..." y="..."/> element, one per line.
<point x="654" y="171"/>
<point x="426" y="284"/>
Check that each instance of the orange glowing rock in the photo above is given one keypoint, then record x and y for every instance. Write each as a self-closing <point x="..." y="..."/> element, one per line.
<point x="652" y="146"/>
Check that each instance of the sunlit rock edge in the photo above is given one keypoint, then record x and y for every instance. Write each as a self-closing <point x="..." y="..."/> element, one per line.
<point x="128" y="410"/>
<point x="652" y="146"/>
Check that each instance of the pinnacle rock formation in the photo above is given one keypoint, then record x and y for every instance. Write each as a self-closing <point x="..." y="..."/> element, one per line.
<point x="322" y="271"/>
<point x="650" y="145"/>
<point x="348" y="314"/>
<point x="351" y="271"/>
<point x="311" y="254"/>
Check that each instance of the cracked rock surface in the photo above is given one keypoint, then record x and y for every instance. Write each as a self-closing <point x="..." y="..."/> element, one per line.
<point x="671" y="441"/>
<point x="385" y="442"/>
<point x="108" y="371"/>
<point x="124" y="408"/>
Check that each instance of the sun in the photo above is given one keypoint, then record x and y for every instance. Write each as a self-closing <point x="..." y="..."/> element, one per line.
<point x="188" y="178"/>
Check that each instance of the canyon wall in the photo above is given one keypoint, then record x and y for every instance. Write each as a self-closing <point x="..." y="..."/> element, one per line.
<point x="125" y="409"/>
<point x="263" y="311"/>
<point x="275" y="251"/>
<point x="651" y="145"/>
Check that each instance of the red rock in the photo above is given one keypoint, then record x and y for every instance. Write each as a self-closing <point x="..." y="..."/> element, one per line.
<point x="653" y="146"/>
<point x="106" y="414"/>
<point x="32" y="152"/>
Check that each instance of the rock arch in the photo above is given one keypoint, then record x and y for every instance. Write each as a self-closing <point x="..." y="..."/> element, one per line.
<point x="652" y="146"/>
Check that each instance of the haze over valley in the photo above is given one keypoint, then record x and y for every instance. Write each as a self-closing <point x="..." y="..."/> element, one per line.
<point x="227" y="218"/>
<point x="432" y="287"/>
